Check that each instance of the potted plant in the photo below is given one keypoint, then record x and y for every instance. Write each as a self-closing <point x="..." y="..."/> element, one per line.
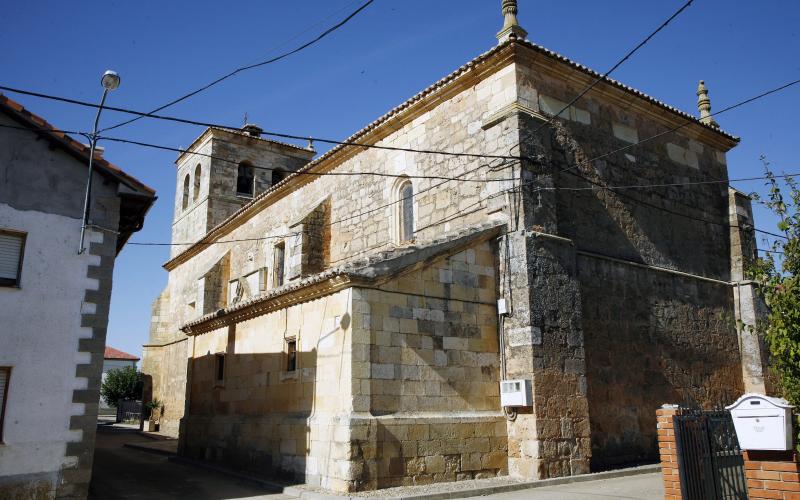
<point x="155" y="407"/>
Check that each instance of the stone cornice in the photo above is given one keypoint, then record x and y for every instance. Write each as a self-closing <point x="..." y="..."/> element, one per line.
<point x="269" y="303"/>
<point x="560" y="67"/>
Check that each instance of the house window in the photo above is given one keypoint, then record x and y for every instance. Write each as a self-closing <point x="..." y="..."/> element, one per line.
<point x="279" y="257"/>
<point x="12" y="248"/>
<point x="219" y="368"/>
<point x="406" y="212"/>
<point x="197" y="172"/>
<point x="5" y="375"/>
<point x="291" y="354"/>
<point x="185" y="202"/>
<point x="244" y="180"/>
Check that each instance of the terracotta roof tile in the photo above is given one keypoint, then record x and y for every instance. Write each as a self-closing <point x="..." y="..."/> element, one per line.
<point x="112" y="353"/>
<point x="67" y="142"/>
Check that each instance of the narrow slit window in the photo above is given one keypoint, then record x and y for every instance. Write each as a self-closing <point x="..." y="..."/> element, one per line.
<point x="185" y="202"/>
<point x="406" y="208"/>
<point x="219" y="368"/>
<point x="245" y="180"/>
<point x="12" y="248"/>
<point x="291" y="355"/>
<point x="279" y="258"/>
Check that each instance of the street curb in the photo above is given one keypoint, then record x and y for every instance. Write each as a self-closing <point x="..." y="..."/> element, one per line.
<point x="302" y="493"/>
<point x="299" y="492"/>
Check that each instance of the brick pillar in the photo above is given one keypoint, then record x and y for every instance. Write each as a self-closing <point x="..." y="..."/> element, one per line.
<point x="772" y="474"/>
<point x="668" y="451"/>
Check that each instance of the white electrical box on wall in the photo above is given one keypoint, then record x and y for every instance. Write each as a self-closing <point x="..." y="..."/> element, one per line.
<point x="502" y="307"/>
<point x="516" y="393"/>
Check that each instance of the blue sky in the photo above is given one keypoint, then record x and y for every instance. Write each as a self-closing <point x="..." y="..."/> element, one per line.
<point x="388" y="53"/>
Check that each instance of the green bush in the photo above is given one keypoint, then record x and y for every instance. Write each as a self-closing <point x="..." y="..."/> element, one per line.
<point x="124" y="383"/>
<point x="777" y="274"/>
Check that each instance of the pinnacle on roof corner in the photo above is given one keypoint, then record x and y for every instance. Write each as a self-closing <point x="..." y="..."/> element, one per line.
<point x="511" y="27"/>
<point x="704" y="105"/>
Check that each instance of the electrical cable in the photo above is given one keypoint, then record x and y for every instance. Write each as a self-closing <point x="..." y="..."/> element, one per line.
<point x="248" y="67"/>
<point x="613" y="68"/>
<point x="389" y="148"/>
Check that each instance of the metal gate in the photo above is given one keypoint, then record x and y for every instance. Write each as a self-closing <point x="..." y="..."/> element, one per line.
<point x="709" y="459"/>
<point x="129" y="411"/>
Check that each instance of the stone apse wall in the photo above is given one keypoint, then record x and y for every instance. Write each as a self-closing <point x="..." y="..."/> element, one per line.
<point x="656" y="310"/>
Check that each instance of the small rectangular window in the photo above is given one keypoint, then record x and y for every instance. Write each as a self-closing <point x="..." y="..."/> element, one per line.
<point x="219" y="369"/>
<point x="12" y="248"/>
<point x="279" y="257"/>
<point x="291" y="355"/>
<point x="5" y="376"/>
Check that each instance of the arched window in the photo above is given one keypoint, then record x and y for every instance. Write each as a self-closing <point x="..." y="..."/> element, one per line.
<point x="405" y="211"/>
<point x="185" y="192"/>
<point x="244" y="180"/>
<point x="197" y="172"/>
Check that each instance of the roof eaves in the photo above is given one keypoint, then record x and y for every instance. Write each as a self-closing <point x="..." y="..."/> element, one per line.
<point x="438" y="85"/>
<point x="367" y="270"/>
<point x="39" y="124"/>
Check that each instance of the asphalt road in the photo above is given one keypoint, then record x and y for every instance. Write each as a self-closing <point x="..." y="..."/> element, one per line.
<point x="125" y="473"/>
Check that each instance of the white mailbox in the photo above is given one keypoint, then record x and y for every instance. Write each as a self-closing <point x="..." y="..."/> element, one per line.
<point x="762" y="422"/>
<point x="516" y="393"/>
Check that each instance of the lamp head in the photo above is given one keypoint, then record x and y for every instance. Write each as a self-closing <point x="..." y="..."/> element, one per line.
<point x="110" y="80"/>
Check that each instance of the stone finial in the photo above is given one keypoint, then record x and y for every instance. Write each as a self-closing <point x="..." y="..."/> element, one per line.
<point x="511" y="27"/>
<point x="704" y="105"/>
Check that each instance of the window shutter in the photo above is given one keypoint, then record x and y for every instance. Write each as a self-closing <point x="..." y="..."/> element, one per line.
<point x="10" y="254"/>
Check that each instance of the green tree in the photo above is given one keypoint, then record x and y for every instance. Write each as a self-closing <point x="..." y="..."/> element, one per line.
<point x="123" y="383"/>
<point x="777" y="274"/>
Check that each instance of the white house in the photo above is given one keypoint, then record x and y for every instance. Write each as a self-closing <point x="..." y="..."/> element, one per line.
<point x="54" y="300"/>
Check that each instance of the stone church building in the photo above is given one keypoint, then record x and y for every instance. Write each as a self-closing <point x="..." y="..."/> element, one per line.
<point x="347" y="320"/>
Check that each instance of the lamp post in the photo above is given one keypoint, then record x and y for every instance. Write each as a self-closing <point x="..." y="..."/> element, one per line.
<point x="109" y="81"/>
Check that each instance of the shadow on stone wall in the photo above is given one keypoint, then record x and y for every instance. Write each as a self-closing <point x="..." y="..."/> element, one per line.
<point x="256" y="419"/>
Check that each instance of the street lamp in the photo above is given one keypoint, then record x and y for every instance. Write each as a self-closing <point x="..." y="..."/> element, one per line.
<point x="110" y="81"/>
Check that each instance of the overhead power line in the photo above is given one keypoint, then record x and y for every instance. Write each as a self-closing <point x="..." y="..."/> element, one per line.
<point x="248" y="67"/>
<point x="273" y="134"/>
<point x="665" y="209"/>
<point x="615" y="66"/>
<point x="338" y="221"/>
<point x="261" y="167"/>
<point x="390" y="148"/>
<point x="684" y="124"/>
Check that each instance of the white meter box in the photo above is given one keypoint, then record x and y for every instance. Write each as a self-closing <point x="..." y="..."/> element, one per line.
<point x="516" y="393"/>
<point x="762" y="422"/>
